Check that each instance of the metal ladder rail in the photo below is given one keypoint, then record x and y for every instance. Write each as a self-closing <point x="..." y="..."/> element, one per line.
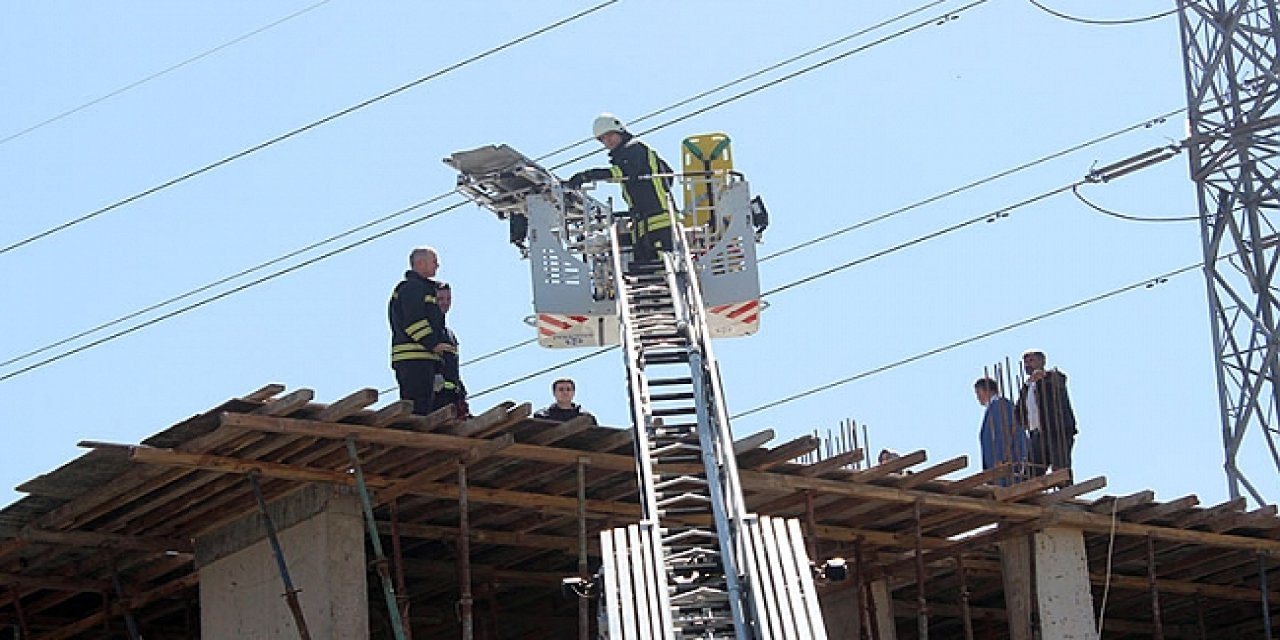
<point x="728" y="504"/>
<point x="637" y="388"/>
<point x="693" y="567"/>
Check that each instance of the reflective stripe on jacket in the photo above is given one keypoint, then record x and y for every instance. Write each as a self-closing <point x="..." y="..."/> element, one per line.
<point x="417" y="323"/>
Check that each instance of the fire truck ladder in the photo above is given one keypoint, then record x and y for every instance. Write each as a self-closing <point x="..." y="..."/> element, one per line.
<point x="688" y="494"/>
<point x="697" y="565"/>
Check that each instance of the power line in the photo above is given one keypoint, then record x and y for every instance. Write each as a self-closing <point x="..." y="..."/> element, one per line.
<point x="1097" y="22"/>
<point x="530" y="376"/>
<point x="285" y="136"/>
<point x="755" y="74"/>
<point x="990" y="216"/>
<point x="1145" y="124"/>
<point x="381" y="234"/>
<point x="235" y="276"/>
<point x="1124" y="216"/>
<point x="166" y="70"/>
<point x="1147" y="283"/>
<point x="201" y="303"/>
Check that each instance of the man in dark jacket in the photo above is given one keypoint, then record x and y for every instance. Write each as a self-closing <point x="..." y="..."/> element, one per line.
<point x="417" y="330"/>
<point x="646" y="186"/>
<point x="1045" y="408"/>
<point x="448" y="387"/>
<point x="563" y="409"/>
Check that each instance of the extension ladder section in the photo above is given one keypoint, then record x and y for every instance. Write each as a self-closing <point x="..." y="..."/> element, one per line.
<point x="681" y="495"/>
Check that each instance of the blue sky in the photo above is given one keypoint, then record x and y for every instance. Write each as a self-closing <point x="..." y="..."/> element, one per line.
<point x="917" y="115"/>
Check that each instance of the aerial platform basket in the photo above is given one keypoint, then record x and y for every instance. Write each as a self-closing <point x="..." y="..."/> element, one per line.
<point x="565" y="234"/>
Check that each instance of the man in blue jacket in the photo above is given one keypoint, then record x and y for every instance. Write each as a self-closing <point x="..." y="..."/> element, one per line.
<point x="1002" y="438"/>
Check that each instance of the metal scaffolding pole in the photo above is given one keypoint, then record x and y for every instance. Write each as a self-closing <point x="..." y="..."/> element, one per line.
<point x="584" y="613"/>
<point x="290" y="592"/>
<point x="1230" y="59"/>
<point x="380" y="559"/>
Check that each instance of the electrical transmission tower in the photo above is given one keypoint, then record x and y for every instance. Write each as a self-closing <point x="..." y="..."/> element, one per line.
<point x="1229" y="51"/>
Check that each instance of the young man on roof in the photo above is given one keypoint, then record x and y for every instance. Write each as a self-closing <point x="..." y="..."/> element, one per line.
<point x="417" y="330"/>
<point x="563" y="409"/>
<point x="646" y="185"/>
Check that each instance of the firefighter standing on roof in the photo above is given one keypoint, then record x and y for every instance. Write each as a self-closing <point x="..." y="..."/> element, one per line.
<point x="646" y="185"/>
<point x="417" y="330"/>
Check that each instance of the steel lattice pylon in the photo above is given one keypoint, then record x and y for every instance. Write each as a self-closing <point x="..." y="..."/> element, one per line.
<point x="1229" y="52"/>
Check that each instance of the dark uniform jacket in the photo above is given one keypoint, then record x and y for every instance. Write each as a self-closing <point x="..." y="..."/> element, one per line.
<point x="417" y="324"/>
<point x="631" y="160"/>
<point x="554" y="412"/>
<point x="450" y="369"/>
<point x="1056" y="417"/>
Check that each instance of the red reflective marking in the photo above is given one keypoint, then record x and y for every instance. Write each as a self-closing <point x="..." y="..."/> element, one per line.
<point x="555" y="322"/>
<point x="745" y="308"/>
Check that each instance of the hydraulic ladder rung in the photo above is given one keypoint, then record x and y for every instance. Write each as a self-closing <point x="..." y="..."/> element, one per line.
<point x="664" y="358"/>
<point x="662" y="382"/>
<point x="679" y="395"/>
<point x="677" y="411"/>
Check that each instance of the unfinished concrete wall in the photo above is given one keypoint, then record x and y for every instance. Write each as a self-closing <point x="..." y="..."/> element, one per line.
<point x="1063" y="596"/>
<point x="322" y="535"/>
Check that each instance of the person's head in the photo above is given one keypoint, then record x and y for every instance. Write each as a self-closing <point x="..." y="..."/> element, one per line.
<point x="444" y="296"/>
<point x="424" y="261"/>
<point x="609" y="130"/>
<point x="886" y="455"/>
<point x="1032" y="360"/>
<point x="563" y="390"/>
<point x="985" y="389"/>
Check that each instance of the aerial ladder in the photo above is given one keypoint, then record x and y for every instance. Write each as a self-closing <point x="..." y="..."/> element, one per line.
<point x="698" y="564"/>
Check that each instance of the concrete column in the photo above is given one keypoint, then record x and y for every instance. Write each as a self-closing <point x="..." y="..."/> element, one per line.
<point x="1062" y="585"/>
<point x="1015" y="564"/>
<point x="322" y="536"/>
<point x="883" y="598"/>
<point x="840" y="613"/>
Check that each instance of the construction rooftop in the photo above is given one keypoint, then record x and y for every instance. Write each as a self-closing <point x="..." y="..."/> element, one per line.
<point x="116" y="543"/>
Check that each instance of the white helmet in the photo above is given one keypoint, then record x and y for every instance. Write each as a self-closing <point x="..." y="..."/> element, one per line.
<point x="605" y="123"/>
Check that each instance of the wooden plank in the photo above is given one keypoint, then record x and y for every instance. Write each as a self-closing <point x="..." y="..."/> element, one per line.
<point x="412" y="439"/>
<point x="433" y="421"/>
<point x="934" y="472"/>
<point x="518" y="414"/>
<point x="1071" y="492"/>
<point x="528" y="500"/>
<point x="286" y="405"/>
<point x="551" y="435"/>
<point x="265" y="393"/>
<point x="394" y="412"/>
<point x="449" y="467"/>
<point x="97" y="540"/>
<point x="54" y="583"/>
<point x="834" y="463"/>
<point x="753" y="441"/>
<point x="763" y="460"/>
<point x="1014" y="511"/>
<point x="897" y="465"/>
<point x="1013" y="493"/>
<point x="1121" y="504"/>
<point x="1209" y="514"/>
<point x="482" y="422"/>
<point x="117" y="609"/>
<point x="1220" y="592"/>
<point x="976" y="480"/>
<point x="348" y="406"/>
<point x="757" y="481"/>
<point x="565" y="544"/>
<point x="1161" y="511"/>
